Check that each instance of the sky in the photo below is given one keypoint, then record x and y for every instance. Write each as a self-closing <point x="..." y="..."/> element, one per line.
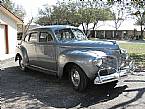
<point x="31" y="7"/>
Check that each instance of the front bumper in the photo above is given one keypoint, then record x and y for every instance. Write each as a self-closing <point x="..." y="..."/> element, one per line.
<point x="111" y="77"/>
<point x="120" y="74"/>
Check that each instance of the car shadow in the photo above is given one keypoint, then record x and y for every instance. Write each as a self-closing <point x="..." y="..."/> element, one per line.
<point x="47" y="91"/>
<point x="140" y="93"/>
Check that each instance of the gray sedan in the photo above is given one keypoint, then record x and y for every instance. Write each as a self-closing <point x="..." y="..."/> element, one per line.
<point x="65" y="51"/>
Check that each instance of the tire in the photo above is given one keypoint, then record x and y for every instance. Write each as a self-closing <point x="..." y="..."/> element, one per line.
<point x="21" y="64"/>
<point x="78" y="78"/>
<point x="111" y="85"/>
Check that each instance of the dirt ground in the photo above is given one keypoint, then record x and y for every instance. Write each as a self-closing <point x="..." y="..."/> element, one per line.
<point x="35" y="90"/>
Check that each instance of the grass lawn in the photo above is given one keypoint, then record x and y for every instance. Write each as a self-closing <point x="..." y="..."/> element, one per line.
<point x="136" y="51"/>
<point x="133" y="48"/>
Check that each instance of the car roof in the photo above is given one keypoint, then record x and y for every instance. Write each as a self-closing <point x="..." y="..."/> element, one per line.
<point x="54" y="27"/>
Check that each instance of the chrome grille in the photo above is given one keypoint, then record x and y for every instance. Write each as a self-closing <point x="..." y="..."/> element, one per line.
<point x="105" y="72"/>
<point x="117" y="54"/>
<point x="110" y="62"/>
<point x="109" y="66"/>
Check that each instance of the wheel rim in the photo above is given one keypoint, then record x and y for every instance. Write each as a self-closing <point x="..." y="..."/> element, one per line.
<point x="21" y="64"/>
<point x="75" y="77"/>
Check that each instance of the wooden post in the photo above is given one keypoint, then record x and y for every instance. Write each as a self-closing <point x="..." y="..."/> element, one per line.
<point x="104" y="34"/>
<point x="95" y="34"/>
<point x="113" y="34"/>
<point x="6" y="39"/>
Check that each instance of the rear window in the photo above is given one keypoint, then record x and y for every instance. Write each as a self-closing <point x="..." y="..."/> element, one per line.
<point x="33" y="37"/>
<point x="45" y="37"/>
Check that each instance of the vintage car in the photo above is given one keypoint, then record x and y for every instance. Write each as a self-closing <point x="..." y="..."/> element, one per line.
<point x="65" y="51"/>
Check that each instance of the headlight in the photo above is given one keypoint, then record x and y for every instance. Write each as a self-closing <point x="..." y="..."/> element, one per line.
<point x="97" y="62"/>
<point x="124" y="54"/>
<point x="123" y="51"/>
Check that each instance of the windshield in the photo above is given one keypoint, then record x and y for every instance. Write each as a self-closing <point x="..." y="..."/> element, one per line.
<point x="70" y="34"/>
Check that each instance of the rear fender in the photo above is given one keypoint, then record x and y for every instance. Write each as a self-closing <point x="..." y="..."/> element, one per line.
<point x="21" y="52"/>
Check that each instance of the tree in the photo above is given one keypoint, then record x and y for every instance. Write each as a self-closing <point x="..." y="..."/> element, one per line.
<point x="7" y="4"/>
<point x="74" y="13"/>
<point x="19" y="11"/>
<point x="135" y="8"/>
<point x="139" y="13"/>
<point x="16" y="9"/>
<point x="119" y="9"/>
<point x="141" y="22"/>
<point x="92" y="12"/>
<point x="62" y="13"/>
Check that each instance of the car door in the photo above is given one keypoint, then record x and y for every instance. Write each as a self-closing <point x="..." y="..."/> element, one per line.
<point x="46" y="51"/>
<point x="30" y="46"/>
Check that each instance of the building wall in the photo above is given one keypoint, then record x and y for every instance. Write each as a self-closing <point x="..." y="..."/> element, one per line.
<point x="12" y="31"/>
<point x="139" y="33"/>
<point x="124" y="34"/>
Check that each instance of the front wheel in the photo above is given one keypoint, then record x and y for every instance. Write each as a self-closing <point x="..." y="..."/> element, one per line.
<point x="78" y="78"/>
<point x="111" y="85"/>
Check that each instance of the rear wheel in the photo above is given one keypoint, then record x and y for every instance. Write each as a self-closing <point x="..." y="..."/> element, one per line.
<point x="21" y="64"/>
<point x="78" y="78"/>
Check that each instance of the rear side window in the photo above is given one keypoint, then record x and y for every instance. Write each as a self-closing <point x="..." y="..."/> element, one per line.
<point x="33" y="37"/>
<point x="26" y="38"/>
<point x="45" y="37"/>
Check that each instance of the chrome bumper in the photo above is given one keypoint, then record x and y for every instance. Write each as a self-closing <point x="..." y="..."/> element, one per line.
<point x="120" y="74"/>
<point x="112" y="77"/>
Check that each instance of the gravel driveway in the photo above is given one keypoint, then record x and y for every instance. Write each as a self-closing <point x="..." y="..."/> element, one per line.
<point x="35" y="90"/>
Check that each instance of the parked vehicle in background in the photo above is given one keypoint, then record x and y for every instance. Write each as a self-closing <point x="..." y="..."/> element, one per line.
<point x="19" y="35"/>
<point x="64" y="50"/>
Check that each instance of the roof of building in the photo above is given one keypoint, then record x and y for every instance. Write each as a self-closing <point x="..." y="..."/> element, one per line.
<point x="9" y="13"/>
<point x="110" y="25"/>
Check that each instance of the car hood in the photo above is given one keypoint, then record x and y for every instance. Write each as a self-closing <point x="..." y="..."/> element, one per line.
<point x="91" y="44"/>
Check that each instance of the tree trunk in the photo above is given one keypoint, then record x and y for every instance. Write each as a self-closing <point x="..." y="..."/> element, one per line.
<point x="142" y="31"/>
<point x="94" y="28"/>
<point x="83" y="28"/>
<point x="87" y="29"/>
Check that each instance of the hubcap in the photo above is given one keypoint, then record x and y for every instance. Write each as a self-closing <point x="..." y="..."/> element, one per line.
<point x="75" y="77"/>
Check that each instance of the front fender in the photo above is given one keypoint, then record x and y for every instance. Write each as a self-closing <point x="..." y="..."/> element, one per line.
<point x="80" y="58"/>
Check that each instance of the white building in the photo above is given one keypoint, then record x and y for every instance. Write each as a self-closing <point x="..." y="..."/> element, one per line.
<point x="106" y="29"/>
<point x="8" y="30"/>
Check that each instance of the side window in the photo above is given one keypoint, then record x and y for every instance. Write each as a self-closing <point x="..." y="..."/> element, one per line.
<point x="26" y="38"/>
<point x="64" y="34"/>
<point x="33" y="37"/>
<point x="67" y="35"/>
<point x="45" y="37"/>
